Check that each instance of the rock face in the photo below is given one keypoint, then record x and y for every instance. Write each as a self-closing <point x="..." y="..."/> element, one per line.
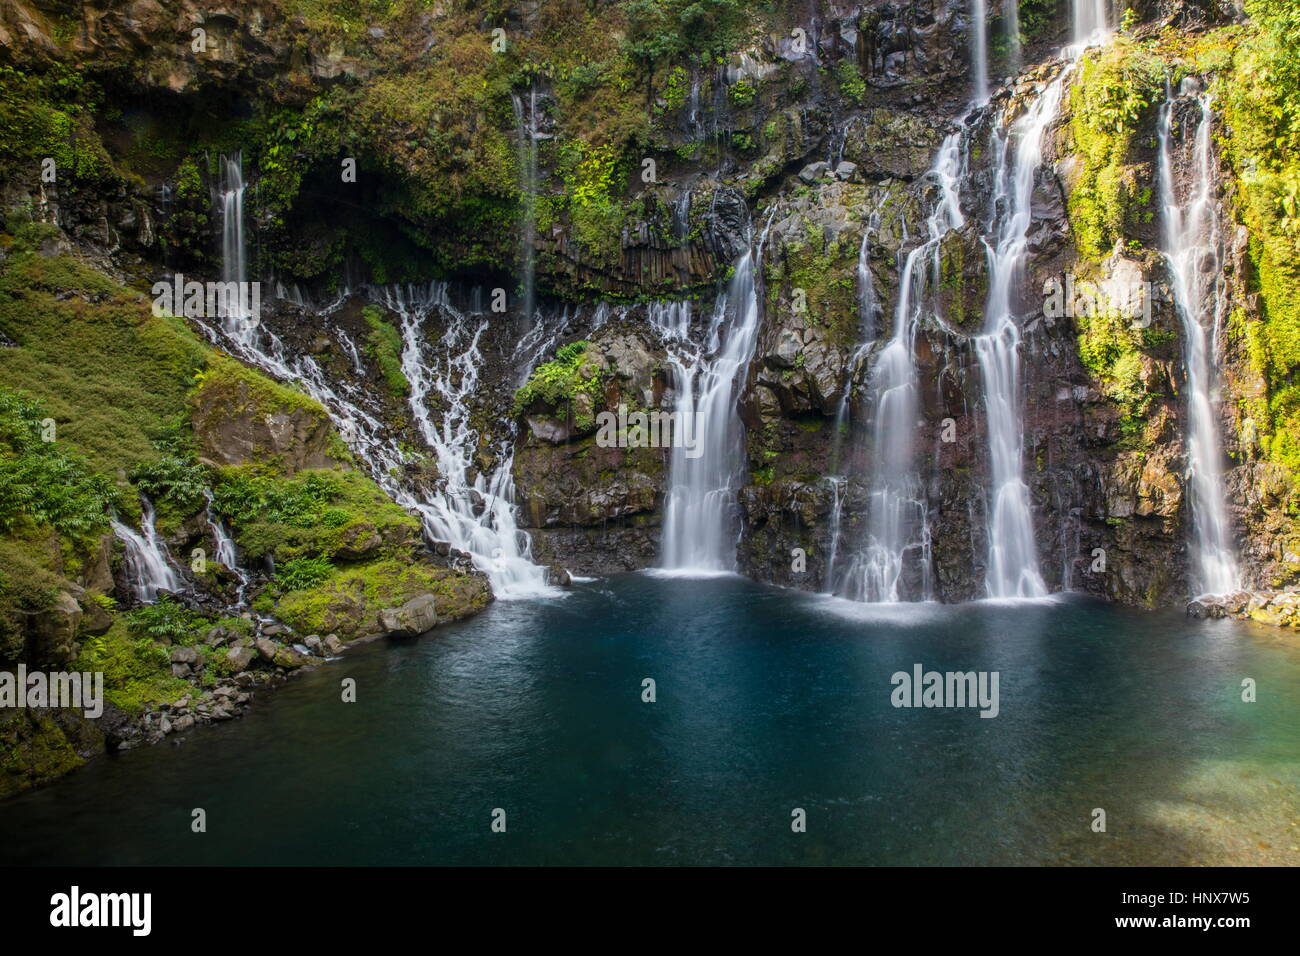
<point x="235" y="425"/>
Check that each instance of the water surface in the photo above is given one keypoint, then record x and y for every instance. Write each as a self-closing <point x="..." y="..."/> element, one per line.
<point x="767" y="700"/>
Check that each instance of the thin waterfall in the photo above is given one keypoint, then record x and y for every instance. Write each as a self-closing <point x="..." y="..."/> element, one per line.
<point x="237" y="319"/>
<point x="1193" y="253"/>
<point x="526" y="133"/>
<point x="1011" y="33"/>
<point x="980" y="49"/>
<point x="700" y="519"/>
<point x="1012" y="555"/>
<point x="897" y="530"/>
<point x="224" y="549"/>
<point x="1012" y="570"/>
<point x="148" y="566"/>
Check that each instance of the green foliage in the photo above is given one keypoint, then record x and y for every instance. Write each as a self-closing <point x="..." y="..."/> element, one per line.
<point x="660" y="31"/>
<point x="1260" y="94"/>
<point x="41" y="484"/>
<point x="384" y="345"/>
<point x="1111" y="348"/>
<point x="313" y="513"/>
<point x="299" y="574"/>
<point x="166" y="620"/>
<point x="556" y="383"/>
<point x="742" y="93"/>
<point x="852" y="86"/>
<point x="137" y="672"/>
<point x="175" y="480"/>
<point x="244" y="494"/>
<point x="50" y="116"/>
<point x="1117" y="87"/>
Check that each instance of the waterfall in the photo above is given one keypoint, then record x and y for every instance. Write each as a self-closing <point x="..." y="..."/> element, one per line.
<point x="1090" y="22"/>
<point x="700" y="520"/>
<point x="1011" y="30"/>
<point x="980" y="49"/>
<point x="526" y="133"/>
<point x="1012" y="556"/>
<point x="472" y="511"/>
<point x="148" y="567"/>
<point x="897" y="509"/>
<point x="1193" y="253"/>
<point x="224" y="549"/>
<point x="237" y="319"/>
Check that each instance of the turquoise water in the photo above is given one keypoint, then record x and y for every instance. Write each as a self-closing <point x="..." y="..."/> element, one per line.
<point x="767" y="700"/>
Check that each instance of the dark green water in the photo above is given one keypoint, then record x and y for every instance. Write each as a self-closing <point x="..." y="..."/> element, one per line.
<point x="767" y="701"/>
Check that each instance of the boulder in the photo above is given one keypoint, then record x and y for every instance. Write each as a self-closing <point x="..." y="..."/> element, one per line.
<point x="416" y="616"/>
<point x="238" y="659"/>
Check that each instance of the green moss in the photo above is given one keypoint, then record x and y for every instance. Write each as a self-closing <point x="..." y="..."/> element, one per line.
<point x="315" y="513"/>
<point x="348" y="602"/>
<point x="576" y="369"/>
<point x="1112" y="97"/>
<point x="137" y="672"/>
<point x="1111" y="348"/>
<point x="1259" y="88"/>
<point x="825" y="273"/>
<point x="92" y="353"/>
<point x="384" y="345"/>
<point x="33" y="749"/>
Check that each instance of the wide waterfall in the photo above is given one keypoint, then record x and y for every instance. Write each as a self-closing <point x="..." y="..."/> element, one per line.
<point x="148" y="566"/>
<point x="898" y="536"/>
<point x="700" y="520"/>
<point x="1194" y="254"/>
<point x="473" y="512"/>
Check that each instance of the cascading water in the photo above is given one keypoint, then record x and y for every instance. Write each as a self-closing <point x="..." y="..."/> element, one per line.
<point x="1012" y="555"/>
<point x="237" y="319"/>
<point x="897" y="510"/>
<point x="224" y="549"/>
<point x="148" y="567"/>
<point x="1091" y="22"/>
<point x="700" y="527"/>
<point x="473" y="512"/>
<point x="474" y="515"/>
<point x="1193" y="254"/>
<point x="1011" y="32"/>
<point x="1012" y="570"/>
